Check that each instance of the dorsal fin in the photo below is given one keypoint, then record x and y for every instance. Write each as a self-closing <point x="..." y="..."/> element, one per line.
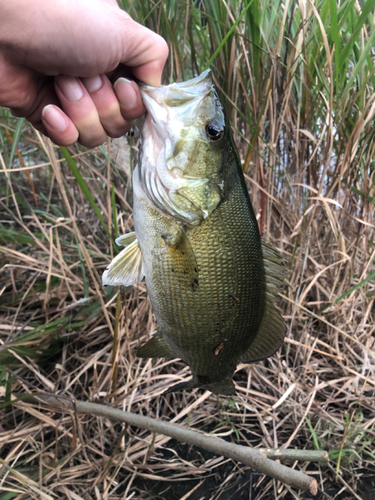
<point x="271" y="333"/>
<point x="127" y="267"/>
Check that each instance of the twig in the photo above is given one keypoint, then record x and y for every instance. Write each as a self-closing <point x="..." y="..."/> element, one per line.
<point x="319" y="456"/>
<point x="248" y="456"/>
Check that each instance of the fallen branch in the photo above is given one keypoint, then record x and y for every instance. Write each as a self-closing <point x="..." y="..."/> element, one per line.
<point x="319" y="456"/>
<point x="255" y="458"/>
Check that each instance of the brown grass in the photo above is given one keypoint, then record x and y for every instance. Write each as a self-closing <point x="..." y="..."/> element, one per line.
<point x="312" y="188"/>
<point x="317" y="391"/>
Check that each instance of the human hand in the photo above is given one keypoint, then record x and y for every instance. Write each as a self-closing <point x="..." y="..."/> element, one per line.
<point x="58" y="61"/>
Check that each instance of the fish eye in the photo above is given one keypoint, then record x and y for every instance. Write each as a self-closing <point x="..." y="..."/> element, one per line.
<point x="214" y="131"/>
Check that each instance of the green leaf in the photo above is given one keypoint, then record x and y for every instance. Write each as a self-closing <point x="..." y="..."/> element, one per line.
<point x="355" y="287"/>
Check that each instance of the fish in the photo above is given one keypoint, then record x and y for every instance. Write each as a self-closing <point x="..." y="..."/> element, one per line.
<point x="211" y="278"/>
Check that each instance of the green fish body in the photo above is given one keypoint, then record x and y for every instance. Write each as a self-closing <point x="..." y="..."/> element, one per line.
<point x="210" y="276"/>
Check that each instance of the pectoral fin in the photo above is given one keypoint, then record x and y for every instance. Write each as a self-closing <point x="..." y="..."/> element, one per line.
<point x="156" y="347"/>
<point x="182" y="262"/>
<point x="127" y="267"/>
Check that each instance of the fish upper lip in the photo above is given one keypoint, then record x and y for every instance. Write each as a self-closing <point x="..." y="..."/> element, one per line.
<point x="178" y="94"/>
<point x="193" y="82"/>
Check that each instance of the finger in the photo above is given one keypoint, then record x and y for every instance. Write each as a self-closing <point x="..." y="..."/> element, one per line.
<point x="34" y="97"/>
<point x="129" y="98"/>
<point x="19" y="88"/>
<point x="115" y="118"/>
<point x="80" y="109"/>
<point x="58" y="126"/>
<point x="144" y="52"/>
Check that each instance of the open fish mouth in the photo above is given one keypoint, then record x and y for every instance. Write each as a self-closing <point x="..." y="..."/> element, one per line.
<point x="175" y="146"/>
<point x="178" y="105"/>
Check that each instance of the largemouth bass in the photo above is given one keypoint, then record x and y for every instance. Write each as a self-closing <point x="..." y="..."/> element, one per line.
<point x="211" y="278"/>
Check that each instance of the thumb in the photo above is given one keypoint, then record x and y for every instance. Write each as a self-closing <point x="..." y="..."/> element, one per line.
<point x="144" y="52"/>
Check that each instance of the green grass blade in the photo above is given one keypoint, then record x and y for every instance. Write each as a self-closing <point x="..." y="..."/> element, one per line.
<point x="353" y="38"/>
<point x="351" y="290"/>
<point x="336" y="40"/>
<point x="229" y="34"/>
<point x="355" y="287"/>
<point x="114" y="214"/>
<point x="364" y="53"/>
<point x="253" y="21"/>
<point x="16" y="138"/>
<point x="82" y="184"/>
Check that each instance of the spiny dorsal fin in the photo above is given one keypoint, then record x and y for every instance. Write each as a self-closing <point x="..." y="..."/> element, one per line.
<point x="272" y="329"/>
<point x="156" y="347"/>
<point x="127" y="267"/>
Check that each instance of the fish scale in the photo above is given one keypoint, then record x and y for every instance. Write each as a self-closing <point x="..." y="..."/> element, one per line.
<point x="210" y="276"/>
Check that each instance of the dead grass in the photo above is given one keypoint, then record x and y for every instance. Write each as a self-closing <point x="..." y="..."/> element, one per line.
<point x="63" y="334"/>
<point x="312" y="187"/>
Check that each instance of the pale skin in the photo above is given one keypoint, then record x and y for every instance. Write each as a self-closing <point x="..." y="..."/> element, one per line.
<point x="67" y="66"/>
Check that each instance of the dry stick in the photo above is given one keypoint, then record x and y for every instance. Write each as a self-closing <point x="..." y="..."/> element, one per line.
<point x="319" y="456"/>
<point x="244" y="454"/>
<point x="218" y="446"/>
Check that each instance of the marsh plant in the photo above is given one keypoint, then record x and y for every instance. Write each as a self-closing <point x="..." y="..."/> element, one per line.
<point x="298" y="81"/>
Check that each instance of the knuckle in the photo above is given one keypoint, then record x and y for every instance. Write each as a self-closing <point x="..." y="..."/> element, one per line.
<point x="22" y="101"/>
<point x="118" y="132"/>
<point x="92" y="142"/>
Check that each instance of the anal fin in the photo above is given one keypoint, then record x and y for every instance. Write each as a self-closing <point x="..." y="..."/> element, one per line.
<point x="269" y="338"/>
<point x="127" y="267"/>
<point x="156" y="347"/>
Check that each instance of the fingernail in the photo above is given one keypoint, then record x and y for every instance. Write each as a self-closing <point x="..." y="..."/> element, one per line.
<point x="125" y="93"/>
<point x="93" y="84"/>
<point x="70" y="87"/>
<point x="54" y="117"/>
